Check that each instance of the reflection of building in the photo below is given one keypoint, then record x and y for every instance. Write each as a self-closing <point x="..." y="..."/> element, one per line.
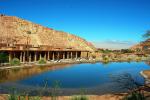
<point x="18" y="74"/>
<point x="28" y="41"/>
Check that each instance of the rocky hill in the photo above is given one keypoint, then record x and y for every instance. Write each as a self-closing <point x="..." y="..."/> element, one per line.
<point x="16" y="30"/>
<point x="144" y="45"/>
<point x="136" y="47"/>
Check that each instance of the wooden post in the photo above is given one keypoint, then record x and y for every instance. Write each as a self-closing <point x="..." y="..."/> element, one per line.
<point x="10" y="56"/>
<point x="20" y="56"/>
<point x="19" y="98"/>
<point x="35" y="56"/>
<point x="24" y="56"/>
<point x="58" y="55"/>
<point x="30" y="58"/>
<point x="27" y="97"/>
<point x="67" y="55"/>
<point x="71" y="55"/>
<point x="48" y="56"/>
<point x="53" y="56"/>
<point x="63" y="55"/>
<point x="14" y="55"/>
<point x="45" y="56"/>
<point x="76" y="55"/>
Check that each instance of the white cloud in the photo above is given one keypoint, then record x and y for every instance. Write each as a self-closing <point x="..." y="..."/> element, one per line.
<point x="114" y="44"/>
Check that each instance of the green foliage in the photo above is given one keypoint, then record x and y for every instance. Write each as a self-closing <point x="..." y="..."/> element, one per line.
<point x="82" y="97"/>
<point x="42" y="61"/>
<point x="147" y="34"/>
<point x="12" y="97"/>
<point x="56" y="86"/>
<point x="129" y="59"/>
<point x="126" y="51"/>
<point x="136" y="95"/>
<point x="138" y="59"/>
<point x="105" y="59"/>
<point x="3" y="57"/>
<point x="15" y="62"/>
<point x="105" y="51"/>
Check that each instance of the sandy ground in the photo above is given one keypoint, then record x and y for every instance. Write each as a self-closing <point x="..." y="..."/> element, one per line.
<point x="90" y="97"/>
<point x="146" y="73"/>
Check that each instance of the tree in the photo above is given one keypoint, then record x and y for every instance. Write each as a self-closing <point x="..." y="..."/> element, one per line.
<point x="127" y="82"/>
<point x="147" y="34"/>
<point x="126" y="51"/>
<point x="3" y="57"/>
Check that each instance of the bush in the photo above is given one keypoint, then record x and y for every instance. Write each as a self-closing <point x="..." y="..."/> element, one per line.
<point x="42" y="61"/>
<point x="12" y="97"/>
<point x="3" y="57"/>
<point x="136" y="95"/>
<point x="15" y="62"/>
<point x="138" y="59"/>
<point x="129" y="59"/>
<point x="105" y="59"/>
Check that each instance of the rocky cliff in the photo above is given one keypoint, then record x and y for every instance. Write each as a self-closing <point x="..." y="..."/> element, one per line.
<point x="16" y="30"/>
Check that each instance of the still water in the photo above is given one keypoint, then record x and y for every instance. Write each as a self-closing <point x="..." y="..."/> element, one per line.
<point x="76" y="76"/>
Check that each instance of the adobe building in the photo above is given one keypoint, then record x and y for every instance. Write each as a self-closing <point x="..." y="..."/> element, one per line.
<point x="30" y="42"/>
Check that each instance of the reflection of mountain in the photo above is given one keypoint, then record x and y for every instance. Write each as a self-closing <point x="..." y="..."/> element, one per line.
<point x="17" y="74"/>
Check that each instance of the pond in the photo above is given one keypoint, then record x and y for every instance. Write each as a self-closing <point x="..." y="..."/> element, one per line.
<point x="95" y="78"/>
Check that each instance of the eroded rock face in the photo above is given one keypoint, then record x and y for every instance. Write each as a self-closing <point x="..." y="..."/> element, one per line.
<point x="16" y="30"/>
<point x="136" y="47"/>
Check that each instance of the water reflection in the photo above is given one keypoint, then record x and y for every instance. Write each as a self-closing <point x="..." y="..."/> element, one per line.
<point x="7" y="75"/>
<point x="147" y="62"/>
<point x="96" y="78"/>
<point x="106" y="63"/>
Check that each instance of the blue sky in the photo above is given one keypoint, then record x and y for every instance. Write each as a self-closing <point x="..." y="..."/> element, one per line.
<point x="106" y="23"/>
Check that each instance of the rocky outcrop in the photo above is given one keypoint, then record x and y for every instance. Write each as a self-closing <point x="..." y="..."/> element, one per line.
<point x="136" y="47"/>
<point x="17" y="31"/>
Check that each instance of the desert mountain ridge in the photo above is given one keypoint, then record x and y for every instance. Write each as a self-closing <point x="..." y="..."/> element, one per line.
<point x="12" y="27"/>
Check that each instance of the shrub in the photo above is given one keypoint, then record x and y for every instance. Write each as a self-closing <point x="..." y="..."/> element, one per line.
<point x="129" y="59"/>
<point x="138" y="59"/>
<point x="3" y="57"/>
<point x="105" y="59"/>
<point x="136" y="95"/>
<point x="15" y="62"/>
<point x="42" y="61"/>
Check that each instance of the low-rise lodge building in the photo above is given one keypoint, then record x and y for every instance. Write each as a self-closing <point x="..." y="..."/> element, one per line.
<point x="30" y="42"/>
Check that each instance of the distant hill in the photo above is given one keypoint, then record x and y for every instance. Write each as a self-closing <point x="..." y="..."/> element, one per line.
<point x="143" y="46"/>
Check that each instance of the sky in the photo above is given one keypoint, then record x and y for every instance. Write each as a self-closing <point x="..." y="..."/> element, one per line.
<point x="114" y="24"/>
